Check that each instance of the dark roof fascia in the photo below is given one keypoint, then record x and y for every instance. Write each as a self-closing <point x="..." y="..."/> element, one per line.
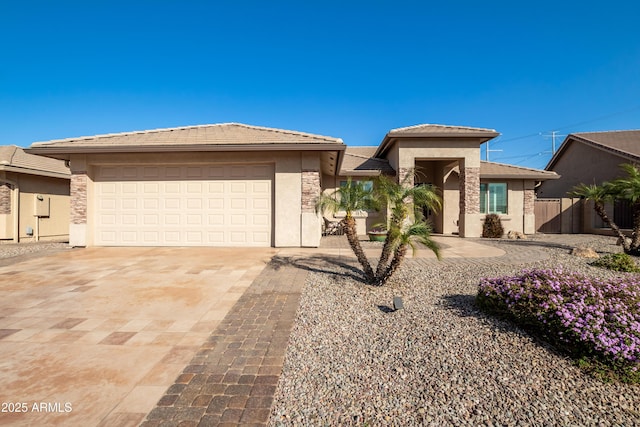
<point x="371" y="173"/>
<point x="38" y="172"/>
<point x="536" y="177"/>
<point x="64" y="152"/>
<point x="339" y="160"/>
<point x="590" y="142"/>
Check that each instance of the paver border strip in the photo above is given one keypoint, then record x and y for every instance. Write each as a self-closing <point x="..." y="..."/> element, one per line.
<point x="233" y="377"/>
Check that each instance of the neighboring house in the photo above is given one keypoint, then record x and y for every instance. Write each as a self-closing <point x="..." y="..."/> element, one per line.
<point x="592" y="158"/>
<point x="34" y="196"/>
<point x="239" y="185"/>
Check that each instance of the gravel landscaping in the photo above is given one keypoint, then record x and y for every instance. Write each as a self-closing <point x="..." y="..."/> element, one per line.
<point x="352" y="360"/>
<point x="9" y="249"/>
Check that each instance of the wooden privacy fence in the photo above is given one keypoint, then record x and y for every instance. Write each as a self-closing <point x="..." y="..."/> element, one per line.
<point x="558" y="215"/>
<point x="548" y="215"/>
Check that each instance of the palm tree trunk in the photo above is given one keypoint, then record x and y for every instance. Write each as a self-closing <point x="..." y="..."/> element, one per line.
<point x="352" y="237"/>
<point x="599" y="207"/>
<point x="398" y="257"/>
<point x="635" y="235"/>
<point x="387" y="249"/>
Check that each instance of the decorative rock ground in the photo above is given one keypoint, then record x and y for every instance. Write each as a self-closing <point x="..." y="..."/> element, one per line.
<point x="439" y="361"/>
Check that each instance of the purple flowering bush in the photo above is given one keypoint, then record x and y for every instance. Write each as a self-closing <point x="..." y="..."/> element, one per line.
<point x="596" y="321"/>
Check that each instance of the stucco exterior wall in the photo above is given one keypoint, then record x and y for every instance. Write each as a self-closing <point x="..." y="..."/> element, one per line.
<point x="581" y="163"/>
<point x="467" y="153"/>
<point x="287" y="188"/>
<point x="520" y="215"/>
<point x="450" y="198"/>
<point x="434" y="149"/>
<point x="54" y="192"/>
<point x="365" y="221"/>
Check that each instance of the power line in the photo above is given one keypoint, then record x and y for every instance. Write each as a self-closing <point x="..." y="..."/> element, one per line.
<point x="601" y="118"/>
<point x="571" y="125"/>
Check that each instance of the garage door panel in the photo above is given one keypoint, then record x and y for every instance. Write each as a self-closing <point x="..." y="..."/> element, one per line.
<point x="172" y="203"/>
<point x="226" y="205"/>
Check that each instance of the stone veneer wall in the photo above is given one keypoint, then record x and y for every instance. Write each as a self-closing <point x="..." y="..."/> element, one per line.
<point x="402" y="175"/>
<point x="79" y="198"/>
<point x="5" y="199"/>
<point x="310" y="190"/>
<point x="529" y="201"/>
<point x="470" y="190"/>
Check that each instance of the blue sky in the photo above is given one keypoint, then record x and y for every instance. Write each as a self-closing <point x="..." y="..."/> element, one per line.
<point x="349" y="69"/>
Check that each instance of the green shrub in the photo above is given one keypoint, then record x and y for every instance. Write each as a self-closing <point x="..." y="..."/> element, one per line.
<point x="617" y="262"/>
<point x="492" y="226"/>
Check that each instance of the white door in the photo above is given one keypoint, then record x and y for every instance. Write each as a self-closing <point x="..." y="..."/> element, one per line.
<point x="223" y="205"/>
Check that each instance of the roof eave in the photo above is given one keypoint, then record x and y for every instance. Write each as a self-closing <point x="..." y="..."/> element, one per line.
<point x="360" y="173"/>
<point x="536" y="177"/>
<point x="64" y="152"/>
<point x="38" y="172"/>
<point x="389" y="138"/>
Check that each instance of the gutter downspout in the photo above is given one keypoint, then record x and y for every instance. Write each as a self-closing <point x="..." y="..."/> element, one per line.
<point x="15" y="209"/>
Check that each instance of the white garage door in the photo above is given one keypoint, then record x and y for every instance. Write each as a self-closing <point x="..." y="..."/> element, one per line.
<point x="225" y="205"/>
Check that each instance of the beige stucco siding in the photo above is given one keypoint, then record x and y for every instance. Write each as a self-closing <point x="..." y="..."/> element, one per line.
<point x="516" y="219"/>
<point x="434" y="149"/>
<point x="287" y="215"/>
<point x="581" y="163"/>
<point x="54" y="193"/>
<point x="365" y="220"/>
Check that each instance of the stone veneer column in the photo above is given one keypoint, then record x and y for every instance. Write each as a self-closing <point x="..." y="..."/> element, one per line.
<point x="529" y="226"/>
<point x="403" y="173"/>
<point x="78" y="227"/>
<point x="469" y="223"/>
<point x="5" y="199"/>
<point x="310" y="221"/>
<point x="310" y="190"/>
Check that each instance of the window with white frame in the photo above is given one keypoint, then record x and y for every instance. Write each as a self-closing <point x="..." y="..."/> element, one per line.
<point x="493" y="198"/>
<point x="368" y="185"/>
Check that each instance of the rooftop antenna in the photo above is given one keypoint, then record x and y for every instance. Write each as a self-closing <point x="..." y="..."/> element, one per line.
<point x="487" y="150"/>
<point x="553" y="136"/>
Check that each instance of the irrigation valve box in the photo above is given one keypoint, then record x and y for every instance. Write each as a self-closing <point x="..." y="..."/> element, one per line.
<point x="42" y="205"/>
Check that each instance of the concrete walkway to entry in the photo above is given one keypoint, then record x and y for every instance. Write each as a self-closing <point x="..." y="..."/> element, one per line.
<point x="451" y="247"/>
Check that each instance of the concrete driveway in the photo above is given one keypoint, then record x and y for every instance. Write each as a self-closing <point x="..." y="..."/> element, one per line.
<point x="89" y="333"/>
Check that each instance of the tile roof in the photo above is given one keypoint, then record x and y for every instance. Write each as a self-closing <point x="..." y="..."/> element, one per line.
<point x="17" y="160"/>
<point x="501" y="170"/>
<point x="491" y="170"/>
<point x="627" y="141"/>
<point x="360" y="161"/>
<point x="434" y="131"/>
<point x="441" y="130"/>
<point x="215" y="134"/>
<point x="623" y="143"/>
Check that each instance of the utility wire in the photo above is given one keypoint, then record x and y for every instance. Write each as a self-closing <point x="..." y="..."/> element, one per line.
<point x="498" y="141"/>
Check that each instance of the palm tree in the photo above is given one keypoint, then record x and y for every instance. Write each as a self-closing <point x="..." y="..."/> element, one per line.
<point x="628" y="188"/>
<point x="401" y="198"/>
<point x="407" y="236"/>
<point x="349" y="198"/>
<point x="599" y="195"/>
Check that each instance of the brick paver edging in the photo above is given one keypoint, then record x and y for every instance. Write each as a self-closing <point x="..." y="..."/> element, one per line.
<point x="233" y="377"/>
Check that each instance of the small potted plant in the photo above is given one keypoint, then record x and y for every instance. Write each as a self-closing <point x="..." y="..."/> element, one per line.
<point x="378" y="233"/>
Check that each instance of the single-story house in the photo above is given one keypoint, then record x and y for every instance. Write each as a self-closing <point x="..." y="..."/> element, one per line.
<point x="239" y="185"/>
<point x="592" y="158"/>
<point x="34" y="196"/>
